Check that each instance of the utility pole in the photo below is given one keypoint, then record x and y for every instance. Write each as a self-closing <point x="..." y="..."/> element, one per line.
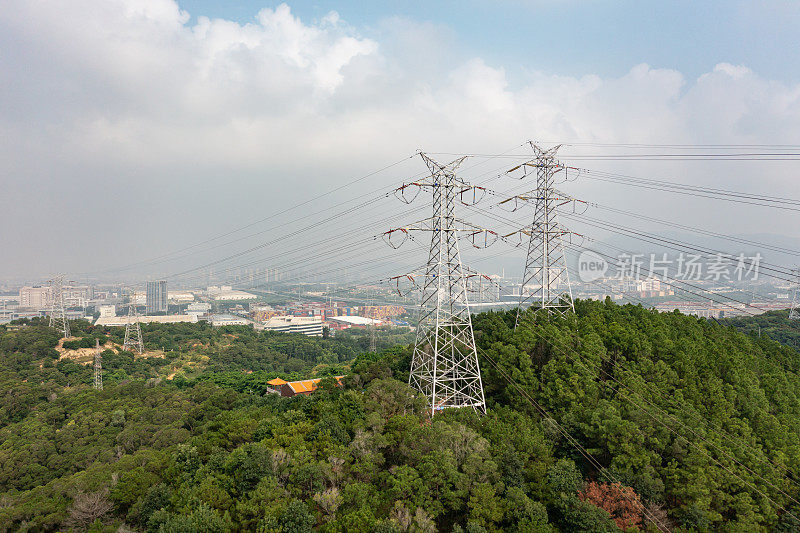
<point x="545" y="264"/>
<point x="98" y="366"/>
<point x="58" y="315"/>
<point x="794" y="312"/>
<point x="133" y="331"/>
<point x="445" y="366"/>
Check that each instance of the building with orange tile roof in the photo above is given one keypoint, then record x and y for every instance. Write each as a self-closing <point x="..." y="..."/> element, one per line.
<point x="306" y="386"/>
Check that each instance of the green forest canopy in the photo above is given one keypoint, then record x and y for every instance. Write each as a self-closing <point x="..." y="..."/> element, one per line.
<point x="694" y="427"/>
<point x="773" y="324"/>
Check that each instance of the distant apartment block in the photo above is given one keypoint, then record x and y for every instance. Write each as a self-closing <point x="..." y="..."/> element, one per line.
<point x="35" y="297"/>
<point x="78" y="295"/>
<point x="156" y="298"/>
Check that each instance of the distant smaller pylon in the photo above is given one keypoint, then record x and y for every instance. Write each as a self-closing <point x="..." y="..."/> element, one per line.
<point x="133" y="331"/>
<point x="98" y="366"/>
<point x="794" y="312"/>
<point x="545" y="277"/>
<point x="373" y="343"/>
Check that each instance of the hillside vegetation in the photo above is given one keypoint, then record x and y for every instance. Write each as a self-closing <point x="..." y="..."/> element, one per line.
<point x="616" y="418"/>
<point x="773" y="324"/>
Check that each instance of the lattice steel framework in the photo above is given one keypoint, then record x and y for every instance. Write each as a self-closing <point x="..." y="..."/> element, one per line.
<point x="794" y="312"/>
<point x="373" y="341"/>
<point x="445" y="366"/>
<point x="98" y="366"/>
<point x="133" y="331"/>
<point x="545" y="264"/>
<point x="58" y="314"/>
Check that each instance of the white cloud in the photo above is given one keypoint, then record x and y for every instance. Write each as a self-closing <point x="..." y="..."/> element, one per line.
<point x="132" y="88"/>
<point x="734" y="71"/>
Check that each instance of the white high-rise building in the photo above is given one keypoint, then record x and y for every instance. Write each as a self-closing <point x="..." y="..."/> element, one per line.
<point x="35" y="297"/>
<point x="156" y="300"/>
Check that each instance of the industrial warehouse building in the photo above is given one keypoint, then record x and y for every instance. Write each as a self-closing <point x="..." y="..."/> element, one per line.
<point x="344" y="322"/>
<point x="307" y="325"/>
<point x="159" y="319"/>
<point x="225" y="319"/>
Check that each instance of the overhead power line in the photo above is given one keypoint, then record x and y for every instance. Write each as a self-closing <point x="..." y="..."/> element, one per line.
<point x="695" y="229"/>
<point x="664" y="279"/>
<point x="317" y="225"/>
<point x="273" y="215"/>
<point x="774" y="271"/>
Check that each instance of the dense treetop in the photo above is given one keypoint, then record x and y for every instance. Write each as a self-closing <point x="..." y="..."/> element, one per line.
<point x="691" y="427"/>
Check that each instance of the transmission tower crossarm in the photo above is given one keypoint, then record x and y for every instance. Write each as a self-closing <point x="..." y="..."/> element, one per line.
<point x="478" y="236"/>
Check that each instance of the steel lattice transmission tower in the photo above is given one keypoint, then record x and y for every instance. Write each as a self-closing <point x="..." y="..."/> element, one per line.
<point x="98" y="366"/>
<point x="794" y="312"/>
<point x="133" y="331"/>
<point x="373" y="342"/>
<point x="58" y="314"/>
<point x="445" y="366"/>
<point x="545" y="264"/>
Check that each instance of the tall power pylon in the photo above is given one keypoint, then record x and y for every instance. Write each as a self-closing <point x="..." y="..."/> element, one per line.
<point x="794" y="312"/>
<point x="58" y="314"/>
<point x="445" y="366"/>
<point x="545" y="264"/>
<point x="133" y="331"/>
<point x="98" y="366"/>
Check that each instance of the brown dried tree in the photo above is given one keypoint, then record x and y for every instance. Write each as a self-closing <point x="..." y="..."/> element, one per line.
<point x="88" y="507"/>
<point x="622" y="503"/>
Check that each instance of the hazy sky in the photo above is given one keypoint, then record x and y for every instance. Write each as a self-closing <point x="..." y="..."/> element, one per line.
<point x="133" y="128"/>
